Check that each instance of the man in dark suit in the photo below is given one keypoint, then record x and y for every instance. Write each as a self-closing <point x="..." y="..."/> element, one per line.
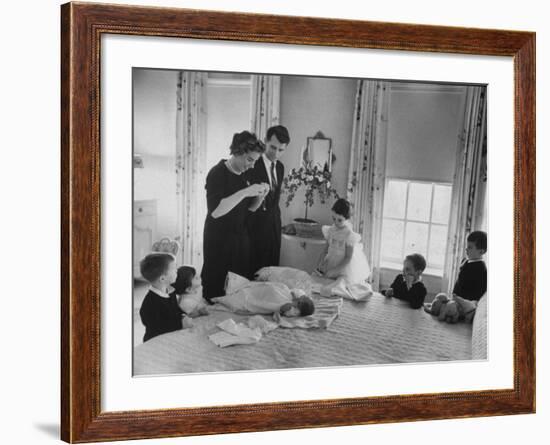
<point x="265" y="223"/>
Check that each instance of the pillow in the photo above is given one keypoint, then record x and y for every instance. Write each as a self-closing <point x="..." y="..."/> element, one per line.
<point x="234" y="282"/>
<point x="293" y="278"/>
<point x="479" y="331"/>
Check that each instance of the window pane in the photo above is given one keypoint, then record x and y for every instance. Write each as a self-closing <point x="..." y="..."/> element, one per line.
<point x="442" y="204"/>
<point x="438" y="244"/>
<point x="416" y="240"/>
<point x="395" y="197"/>
<point x="392" y="240"/>
<point x="420" y="196"/>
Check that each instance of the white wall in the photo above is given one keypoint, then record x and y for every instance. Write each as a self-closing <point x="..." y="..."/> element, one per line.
<point x="228" y="111"/>
<point x="155" y="141"/>
<point x="155" y="112"/>
<point x="33" y="369"/>
<point x="307" y="106"/>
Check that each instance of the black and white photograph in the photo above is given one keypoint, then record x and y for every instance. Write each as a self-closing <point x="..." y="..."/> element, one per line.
<point x="288" y="221"/>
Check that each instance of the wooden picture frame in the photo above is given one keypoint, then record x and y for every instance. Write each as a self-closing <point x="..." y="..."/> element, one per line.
<point x="82" y="26"/>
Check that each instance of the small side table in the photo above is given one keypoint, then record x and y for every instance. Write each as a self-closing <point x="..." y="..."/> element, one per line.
<point x="300" y="252"/>
<point x="303" y="242"/>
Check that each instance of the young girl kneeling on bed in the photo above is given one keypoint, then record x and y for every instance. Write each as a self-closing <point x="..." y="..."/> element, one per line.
<point x="407" y="285"/>
<point x="343" y="256"/>
<point x="187" y="289"/>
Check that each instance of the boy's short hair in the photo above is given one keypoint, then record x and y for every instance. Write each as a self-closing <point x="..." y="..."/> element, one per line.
<point x="154" y="265"/>
<point x="280" y="132"/>
<point x="417" y="260"/>
<point x="184" y="279"/>
<point x="479" y="238"/>
<point x="305" y="305"/>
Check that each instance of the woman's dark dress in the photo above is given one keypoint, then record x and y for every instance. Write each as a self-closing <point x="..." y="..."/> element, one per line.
<point x="226" y="243"/>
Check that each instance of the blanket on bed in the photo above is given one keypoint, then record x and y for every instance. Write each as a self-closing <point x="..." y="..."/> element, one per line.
<point x="326" y="311"/>
<point x="377" y="331"/>
<point x="341" y="288"/>
<point x="239" y="334"/>
<point x="232" y="333"/>
<point x="265" y="297"/>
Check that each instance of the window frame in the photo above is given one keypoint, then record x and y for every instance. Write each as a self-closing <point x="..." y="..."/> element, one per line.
<point x="395" y="263"/>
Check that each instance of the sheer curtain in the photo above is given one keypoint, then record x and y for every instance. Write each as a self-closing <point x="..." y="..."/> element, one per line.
<point x="368" y="165"/>
<point x="191" y="164"/>
<point x="265" y="104"/>
<point x="468" y="198"/>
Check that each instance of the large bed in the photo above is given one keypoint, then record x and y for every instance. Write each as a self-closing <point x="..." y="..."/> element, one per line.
<point x="378" y="331"/>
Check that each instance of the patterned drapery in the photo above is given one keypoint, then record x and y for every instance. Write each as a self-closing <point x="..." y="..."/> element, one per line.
<point x="367" y="167"/>
<point x="191" y="164"/>
<point x="468" y="184"/>
<point x="266" y="102"/>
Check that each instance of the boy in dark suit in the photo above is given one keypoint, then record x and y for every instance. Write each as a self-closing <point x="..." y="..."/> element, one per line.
<point x="408" y="286"/>
<point x="471" y="283"/>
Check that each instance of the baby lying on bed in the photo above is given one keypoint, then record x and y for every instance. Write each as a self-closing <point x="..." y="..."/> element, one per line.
<point x="267" y="298"/>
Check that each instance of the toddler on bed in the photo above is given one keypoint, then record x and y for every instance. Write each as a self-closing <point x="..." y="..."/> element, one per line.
<point x="343" y="256"/>
<point x="267" y="298"/>
<point x="471" y="283"/>
<point x="407" y="286"/>
<point x="187" y="289"/>
<point x="159" y="311"/>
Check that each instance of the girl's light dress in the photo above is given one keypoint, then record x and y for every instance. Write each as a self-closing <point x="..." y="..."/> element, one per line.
<point x="358" y="270"/>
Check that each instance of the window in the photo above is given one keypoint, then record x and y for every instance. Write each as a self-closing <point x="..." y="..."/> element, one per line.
<point x="415" y="220"/>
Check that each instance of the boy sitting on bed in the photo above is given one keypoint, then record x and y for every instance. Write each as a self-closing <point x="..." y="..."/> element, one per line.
<point x="407" y="286"/>
<point x="471" y="283"/>
<point x="159" y="311"/>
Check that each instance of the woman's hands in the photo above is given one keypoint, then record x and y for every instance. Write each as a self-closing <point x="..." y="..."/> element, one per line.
<point x="257" y="190"/>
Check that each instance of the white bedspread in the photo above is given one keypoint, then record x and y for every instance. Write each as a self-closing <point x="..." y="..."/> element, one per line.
<point x="378" y="331"/>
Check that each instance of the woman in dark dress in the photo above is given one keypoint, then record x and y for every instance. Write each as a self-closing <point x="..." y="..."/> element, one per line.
<point x="229" y="198"/>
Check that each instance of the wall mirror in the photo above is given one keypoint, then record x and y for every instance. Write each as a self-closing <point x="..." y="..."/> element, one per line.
<point x="318" y="152"/>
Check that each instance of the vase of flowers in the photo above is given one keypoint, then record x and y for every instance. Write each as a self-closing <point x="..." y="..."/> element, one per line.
<point x="316" y="182"/>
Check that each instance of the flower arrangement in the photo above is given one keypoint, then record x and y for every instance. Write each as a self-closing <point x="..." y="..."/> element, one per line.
<point x="315" y="181"/>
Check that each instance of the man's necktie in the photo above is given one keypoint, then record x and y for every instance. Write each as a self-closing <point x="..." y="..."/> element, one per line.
<point x="273" y="176"/>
